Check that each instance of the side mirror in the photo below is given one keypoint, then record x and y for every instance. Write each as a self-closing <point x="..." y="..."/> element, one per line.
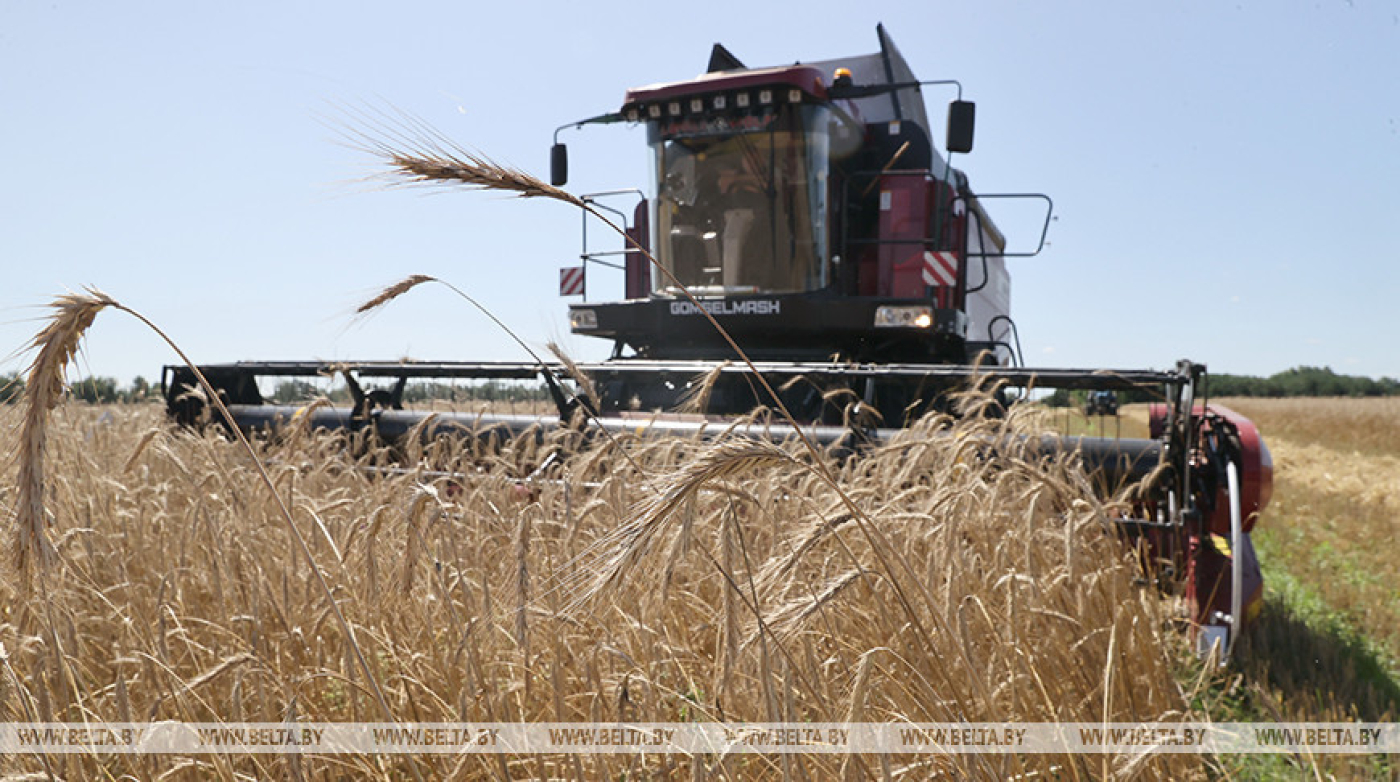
<point x="558" y="165"/>
<point x="962" y="115"/>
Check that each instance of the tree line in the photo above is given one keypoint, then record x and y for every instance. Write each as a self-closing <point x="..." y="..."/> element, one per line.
<point x="1298" y="381"/>
<point x="98" y="390"/>
<point x="107" y="390"/>
<point x="1303" y="381"/>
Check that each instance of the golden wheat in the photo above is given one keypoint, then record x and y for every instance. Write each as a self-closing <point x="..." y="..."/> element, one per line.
<point x="181" y="597"/>
<point x="56" y="344"/>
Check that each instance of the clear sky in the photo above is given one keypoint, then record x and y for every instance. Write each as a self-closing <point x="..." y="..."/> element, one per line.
<point x="1226" y="175"/>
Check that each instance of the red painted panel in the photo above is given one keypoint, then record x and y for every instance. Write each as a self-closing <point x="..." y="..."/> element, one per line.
<point x="906" y="202"/>
<point x="638" y="275"/>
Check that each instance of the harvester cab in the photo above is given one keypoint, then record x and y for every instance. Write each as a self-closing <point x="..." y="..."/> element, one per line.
<point x="808" y="208"/>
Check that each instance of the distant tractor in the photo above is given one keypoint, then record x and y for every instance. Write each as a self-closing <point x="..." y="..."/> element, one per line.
<point x="1101" y="402"/>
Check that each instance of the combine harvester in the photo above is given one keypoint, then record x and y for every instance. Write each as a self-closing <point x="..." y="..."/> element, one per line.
<point x="806" y="210"/>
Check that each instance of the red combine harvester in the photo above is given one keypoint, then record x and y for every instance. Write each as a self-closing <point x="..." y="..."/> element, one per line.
<point x="807" y="210"/>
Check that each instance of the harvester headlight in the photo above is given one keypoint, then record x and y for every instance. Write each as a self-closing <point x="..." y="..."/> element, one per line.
<point x="583" y="319"/>
<point x="904" y="317"/>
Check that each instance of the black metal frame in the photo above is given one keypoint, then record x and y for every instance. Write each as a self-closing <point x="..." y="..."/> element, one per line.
<point x="1179" y="470"/>
<point x="236" y="384"/>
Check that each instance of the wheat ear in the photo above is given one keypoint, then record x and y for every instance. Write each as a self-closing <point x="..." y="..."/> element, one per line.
<point x="57" y="343"/>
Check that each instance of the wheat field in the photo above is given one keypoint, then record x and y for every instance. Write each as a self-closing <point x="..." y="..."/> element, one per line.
<point x="651" y="581"/>
<point x="156" y="573"/>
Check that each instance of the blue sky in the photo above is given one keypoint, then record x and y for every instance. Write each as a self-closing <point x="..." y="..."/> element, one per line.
<point x="1226" y="174"/>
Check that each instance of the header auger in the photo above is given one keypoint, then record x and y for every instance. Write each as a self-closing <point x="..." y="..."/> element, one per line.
<point x="807" y="210"/>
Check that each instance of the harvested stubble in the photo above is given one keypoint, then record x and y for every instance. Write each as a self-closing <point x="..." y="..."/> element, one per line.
<point x="719" y="583"/>
<point x="1334" y="513"/>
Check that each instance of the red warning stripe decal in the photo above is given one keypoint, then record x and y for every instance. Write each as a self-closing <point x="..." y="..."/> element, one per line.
<point x="941" y="268"/>
<point x="571" y="281"/>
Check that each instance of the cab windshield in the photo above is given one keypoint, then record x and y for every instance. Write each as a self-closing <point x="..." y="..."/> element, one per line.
<point x="740" y="202"/>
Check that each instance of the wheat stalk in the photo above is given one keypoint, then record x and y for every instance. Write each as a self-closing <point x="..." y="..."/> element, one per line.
<point x="140" y="448"/>
<point x="413" y="542"/>
<point x="416" y="154"/>
<point x="728" y="615"/>
<point x="407" y="284"/>
<point x="697" y="397"/>
<point x="580" y="377"/>
<point x="393" y="292"/>
<point x="57" y="343"/>
<point x="788" y="617"/>
<point x="635" y="539"/>
<point x="225" y="665"/>
<point x="522" y="585"/>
